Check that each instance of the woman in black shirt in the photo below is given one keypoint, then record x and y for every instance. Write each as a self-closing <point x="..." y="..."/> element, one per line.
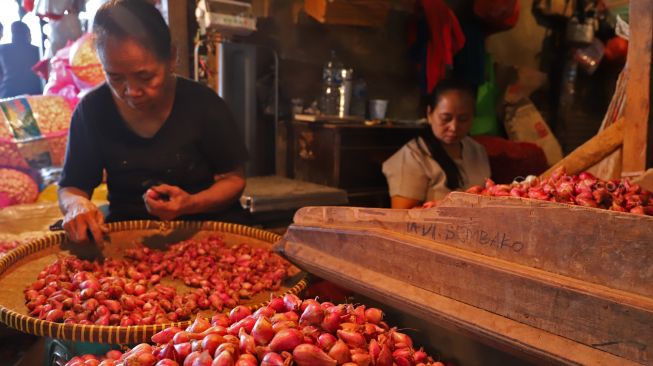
<point x="169" y="145"/>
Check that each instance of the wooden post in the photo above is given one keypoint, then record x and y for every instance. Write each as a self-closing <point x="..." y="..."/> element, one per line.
<point x="177" y="19"/>
<point x="261" y="8"/>
<point x="637" y="108"/>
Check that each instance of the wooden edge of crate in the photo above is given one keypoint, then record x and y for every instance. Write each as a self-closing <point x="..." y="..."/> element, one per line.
<point x="598" y="246"/>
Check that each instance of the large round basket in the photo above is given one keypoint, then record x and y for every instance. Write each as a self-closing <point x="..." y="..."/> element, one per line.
<point x="20" y="267"/>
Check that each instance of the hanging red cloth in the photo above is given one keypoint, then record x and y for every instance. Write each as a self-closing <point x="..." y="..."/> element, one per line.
<point x="445" y="40"/>
<point x="28" y="5"/>
<point x="498" y="15"/>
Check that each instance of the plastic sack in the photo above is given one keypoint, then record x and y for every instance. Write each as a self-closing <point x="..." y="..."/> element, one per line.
<point x="52" y="9"/>
<point x="528" y="81"/>
<point x="61" y="81"/>
<point x="525" y="123"/>
<point x="63" y="31"/>
<point x="623" y="28"/>
<point x="85" y="63"/>
<point x="34" y="131"/>
<point x="497" y="15"/>
<point x="60" y="74"/>
<point x="485" y="118"/>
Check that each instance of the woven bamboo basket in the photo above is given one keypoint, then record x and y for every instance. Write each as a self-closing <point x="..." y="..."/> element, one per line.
<point x="20" y="267"/>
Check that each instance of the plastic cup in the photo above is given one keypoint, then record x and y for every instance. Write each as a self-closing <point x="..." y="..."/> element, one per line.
<point x="378" y="108"/>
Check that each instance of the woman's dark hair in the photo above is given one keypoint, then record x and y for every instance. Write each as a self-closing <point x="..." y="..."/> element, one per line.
<point x="133" y="19"/>
<point x="20" y="32"/>
<point x="451" y="171"/>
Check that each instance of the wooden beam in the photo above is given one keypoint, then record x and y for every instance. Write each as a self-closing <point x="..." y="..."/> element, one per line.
<point x="637" y="108"/>
<point x="611" y="252"/>
<point x="592" y="151"/>
<point x="178" y="21"/>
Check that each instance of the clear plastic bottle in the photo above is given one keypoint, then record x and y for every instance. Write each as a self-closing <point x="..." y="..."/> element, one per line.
<point x="331" y="82"/>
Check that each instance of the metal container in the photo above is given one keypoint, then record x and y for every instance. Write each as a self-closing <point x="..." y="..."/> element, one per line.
<point x="346" y="87"/>
<point x="580" y="33"/>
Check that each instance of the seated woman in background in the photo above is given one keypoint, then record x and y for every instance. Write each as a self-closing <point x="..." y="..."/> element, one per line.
<point x="442" y="158"/>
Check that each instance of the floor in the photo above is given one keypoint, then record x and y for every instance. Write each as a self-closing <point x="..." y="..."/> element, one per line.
<point x="20" y="349"/>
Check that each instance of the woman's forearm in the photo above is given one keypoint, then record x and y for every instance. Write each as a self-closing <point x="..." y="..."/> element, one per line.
<point x="68" y="196"/>
<point x="222" y="194"/>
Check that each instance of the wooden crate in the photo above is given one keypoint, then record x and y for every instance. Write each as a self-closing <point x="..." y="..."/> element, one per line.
<point x="539" y="278"/>
<point x="349" y="12"/>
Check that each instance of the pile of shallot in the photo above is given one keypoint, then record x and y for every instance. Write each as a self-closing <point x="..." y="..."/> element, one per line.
<point x="583" y="190"/>
<point x="128" y="291"/>
<point x="286" y="332"/>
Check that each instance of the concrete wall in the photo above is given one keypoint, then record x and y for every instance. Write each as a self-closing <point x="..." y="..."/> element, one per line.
<point x="520" y="46"/>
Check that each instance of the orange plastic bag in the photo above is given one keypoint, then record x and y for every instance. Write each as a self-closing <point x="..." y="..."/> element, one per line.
<point x="498" y="15"/>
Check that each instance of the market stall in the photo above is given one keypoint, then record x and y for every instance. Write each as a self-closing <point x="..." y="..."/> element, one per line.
<point x="552" y="269"/>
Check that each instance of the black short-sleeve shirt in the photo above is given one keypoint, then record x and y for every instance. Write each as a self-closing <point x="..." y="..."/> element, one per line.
<point x="198" y="140"/>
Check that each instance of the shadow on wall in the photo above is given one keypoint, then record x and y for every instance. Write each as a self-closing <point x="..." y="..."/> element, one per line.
<point x="522" y="45"/>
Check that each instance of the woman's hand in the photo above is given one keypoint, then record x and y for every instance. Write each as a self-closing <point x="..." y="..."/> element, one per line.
<point x="167" y="202"/>
<point x="81" y="217"/>
<point x="430" y="204"/>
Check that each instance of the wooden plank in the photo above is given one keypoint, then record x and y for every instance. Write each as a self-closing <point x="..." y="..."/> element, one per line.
<point x="325" y="118"/>
<point x="591" y="152"/>
<point x="605" y="320"/>
<point x="598" y="246"/>
<point x="638" y="90"/>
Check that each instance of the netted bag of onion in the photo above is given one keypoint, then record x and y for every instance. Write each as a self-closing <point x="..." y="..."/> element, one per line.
<point x="16" y="187"/>
<point x="85" y="63"/>
<point x="33" y="131"/>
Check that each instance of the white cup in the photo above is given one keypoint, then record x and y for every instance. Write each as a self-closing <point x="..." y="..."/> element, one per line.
<point x="378" y="108"/>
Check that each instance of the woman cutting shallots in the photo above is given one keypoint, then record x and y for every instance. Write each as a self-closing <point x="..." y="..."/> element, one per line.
<point x="443" y="158"/>
<point x="169" y="145"/>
